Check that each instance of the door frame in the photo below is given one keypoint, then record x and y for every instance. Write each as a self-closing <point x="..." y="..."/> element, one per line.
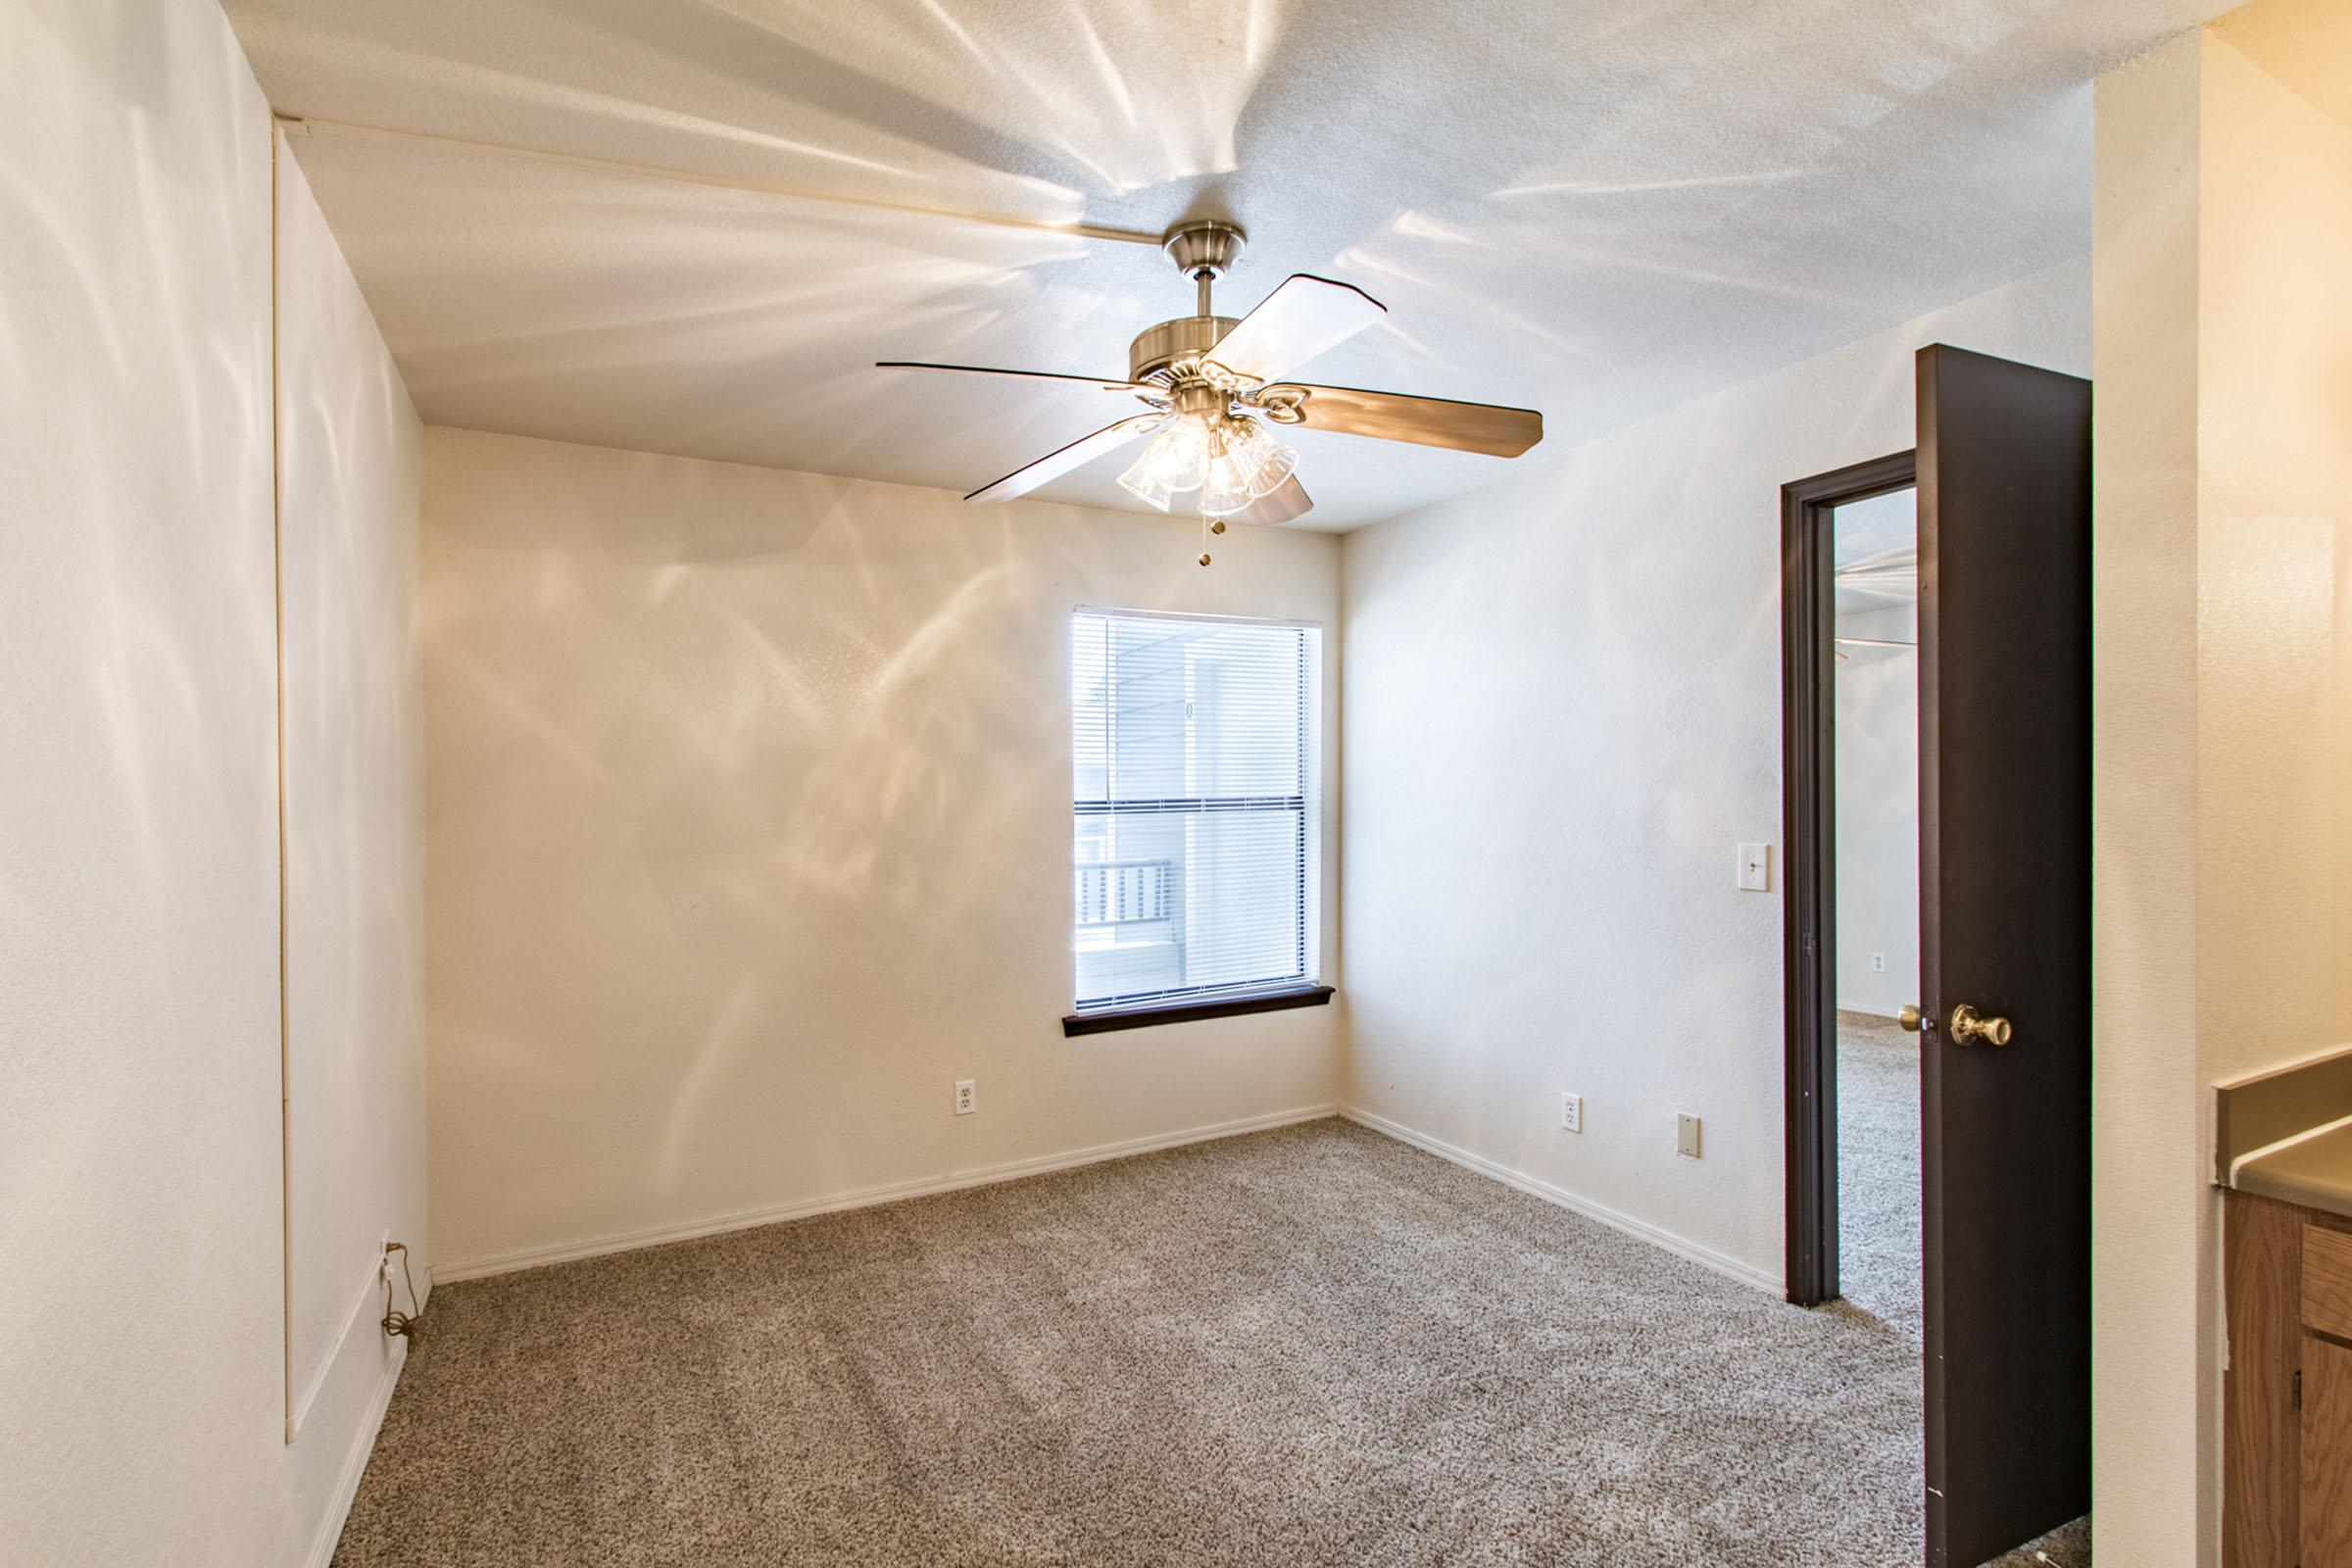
<point x="1809" y="883"/>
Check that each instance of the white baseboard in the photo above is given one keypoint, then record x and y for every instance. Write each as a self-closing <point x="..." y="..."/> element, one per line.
<point x="867" y="1197"/>
<point x="358" y="1309"/>
<point x="355" y="1464"/>
<point x="1722" y="1264"/>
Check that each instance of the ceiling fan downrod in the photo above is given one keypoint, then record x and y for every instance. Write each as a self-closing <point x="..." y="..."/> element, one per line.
<point x="1205" y="252"/>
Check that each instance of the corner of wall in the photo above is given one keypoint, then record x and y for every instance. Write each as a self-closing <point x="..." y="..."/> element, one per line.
<point x="347" y="453"/>
<point x="2152" y="1345"/>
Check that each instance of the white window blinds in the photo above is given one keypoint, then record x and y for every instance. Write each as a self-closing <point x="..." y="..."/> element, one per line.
<point x="1196" y="790"/>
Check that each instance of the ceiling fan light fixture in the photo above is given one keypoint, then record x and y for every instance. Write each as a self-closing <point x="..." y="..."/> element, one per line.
<point x="1172" y="460"/>
<point x="1228" y="458"/>
<point x="1267" y="460"/>
<point x="1146" y="480"/>
<point x="1244" y="464"/>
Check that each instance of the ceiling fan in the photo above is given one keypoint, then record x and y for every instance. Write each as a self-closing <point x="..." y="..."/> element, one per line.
<point x="1212" y="385"/>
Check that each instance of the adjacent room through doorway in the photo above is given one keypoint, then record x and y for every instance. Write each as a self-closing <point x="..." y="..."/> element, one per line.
<point x="1876" y="738"/>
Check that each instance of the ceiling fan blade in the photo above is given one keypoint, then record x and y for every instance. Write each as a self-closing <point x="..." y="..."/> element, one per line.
<point x="1107" y="383"/>
<point x="1299" y="321"/>
<point x="1487" y="427"/>
<point x="1281" y="503"/>
<point x="1054" y="465"/>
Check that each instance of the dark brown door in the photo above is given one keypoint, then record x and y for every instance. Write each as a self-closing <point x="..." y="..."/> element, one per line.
<point x="2004" y="733"/>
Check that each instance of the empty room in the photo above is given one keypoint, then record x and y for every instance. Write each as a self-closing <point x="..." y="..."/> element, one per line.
<point x="1243" y="782"/>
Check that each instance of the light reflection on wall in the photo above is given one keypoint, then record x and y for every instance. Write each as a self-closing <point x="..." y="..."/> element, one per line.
<point x="750" y="812"/>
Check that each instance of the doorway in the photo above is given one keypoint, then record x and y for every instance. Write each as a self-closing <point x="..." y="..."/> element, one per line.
<point x="2002" y="479"/>
<point x="1874" y="952"/>
<point x="1878" y="502"/>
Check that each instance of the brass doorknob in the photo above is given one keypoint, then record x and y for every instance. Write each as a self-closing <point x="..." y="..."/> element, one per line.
<point x="1968" y="1024"/>
<point x="1909" y="1016"/>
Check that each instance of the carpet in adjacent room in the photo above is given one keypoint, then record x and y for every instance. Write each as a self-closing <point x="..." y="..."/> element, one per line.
<point x="1877" y="1170"/>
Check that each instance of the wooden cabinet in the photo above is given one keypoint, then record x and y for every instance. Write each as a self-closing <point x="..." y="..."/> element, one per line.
<point x="2287" y="1426"/>
<point x="2327" y="1485"/>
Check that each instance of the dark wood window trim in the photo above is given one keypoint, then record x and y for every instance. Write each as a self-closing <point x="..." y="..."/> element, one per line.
<point x="1095" y="1023"/>
<point x="1809" y="879"/>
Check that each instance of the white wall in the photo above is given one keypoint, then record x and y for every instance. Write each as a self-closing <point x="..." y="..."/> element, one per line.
<point x="1877" y="813"/>
<point x="749" y="837"/>
<point x="350" y="454"/>
<point x="143" y="1372"/>
<point x="2224" y="233"/>
<point x="2274" y="487"/>
<point x="1562" y="715"/>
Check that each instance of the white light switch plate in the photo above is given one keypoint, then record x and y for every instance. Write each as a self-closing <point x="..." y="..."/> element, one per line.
<point x="1755" y="867"/>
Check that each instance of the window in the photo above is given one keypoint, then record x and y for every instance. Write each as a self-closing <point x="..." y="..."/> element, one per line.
<point x="1196" y="801"/>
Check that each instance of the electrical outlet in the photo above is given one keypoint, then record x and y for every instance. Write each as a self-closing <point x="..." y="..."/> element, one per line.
<point x="1877" y="963"/>
<point x="383" y="1260"/>
<point x="1571" y="1114"/>
<point x="1685" y="1137"/>
<point x="967" y="1096"/>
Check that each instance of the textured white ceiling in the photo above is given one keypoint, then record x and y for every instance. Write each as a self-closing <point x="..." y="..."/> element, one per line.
<point x="1596" y="210"/>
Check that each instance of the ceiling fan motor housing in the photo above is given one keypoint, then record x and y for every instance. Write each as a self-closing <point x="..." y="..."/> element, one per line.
<point x="1201" y="251"/>
<point x="1186" y="338"/>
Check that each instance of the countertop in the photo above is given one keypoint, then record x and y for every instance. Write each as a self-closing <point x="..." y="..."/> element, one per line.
<point x="2316" y="1172"/>
<point x="2287" y="1133"/>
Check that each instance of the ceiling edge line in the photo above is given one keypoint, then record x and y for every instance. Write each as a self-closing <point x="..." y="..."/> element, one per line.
<point x="354" y="130"/>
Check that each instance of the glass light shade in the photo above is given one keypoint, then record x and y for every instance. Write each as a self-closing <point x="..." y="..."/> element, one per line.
<point x="1171" y="461"/>
<point x="1225" y="486"/>
<point x="1228" y="458"/>
<point x="1244" y="464"/>
<point x="1274" y="468"/>
<point x="1146" y="484"/>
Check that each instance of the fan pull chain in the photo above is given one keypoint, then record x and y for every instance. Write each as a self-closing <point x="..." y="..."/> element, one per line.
<point x="1209" y="525"/>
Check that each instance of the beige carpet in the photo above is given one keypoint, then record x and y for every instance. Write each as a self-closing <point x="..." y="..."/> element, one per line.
<point x="1307" y="1346"/>
<point x="1877" y="1170"/>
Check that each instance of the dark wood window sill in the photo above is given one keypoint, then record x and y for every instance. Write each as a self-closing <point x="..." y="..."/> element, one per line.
<point x="1095" y="1023"/>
